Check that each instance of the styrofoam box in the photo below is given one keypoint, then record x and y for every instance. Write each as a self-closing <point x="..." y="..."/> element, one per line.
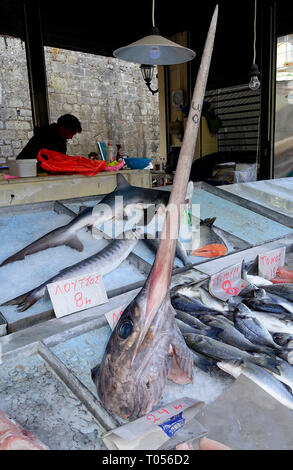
<point x="23" y="168"/>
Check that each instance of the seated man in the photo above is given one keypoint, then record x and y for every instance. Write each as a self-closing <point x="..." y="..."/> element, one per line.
<point x="52" y="137"/>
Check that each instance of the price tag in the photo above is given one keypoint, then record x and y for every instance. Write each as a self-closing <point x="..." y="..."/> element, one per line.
<point x="227" y="283"/>
<point x="79" y="293"/>
<point x="269" y="262"/>
<point x="113" y="315"/>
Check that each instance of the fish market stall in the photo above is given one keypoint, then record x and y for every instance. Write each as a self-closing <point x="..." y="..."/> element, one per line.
<point x="57" y="354"/>
<point x="46" y="370"/>
<point x="72" y="345"/>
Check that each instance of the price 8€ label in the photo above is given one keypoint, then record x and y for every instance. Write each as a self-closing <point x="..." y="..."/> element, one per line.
<point x="75" y="294"/>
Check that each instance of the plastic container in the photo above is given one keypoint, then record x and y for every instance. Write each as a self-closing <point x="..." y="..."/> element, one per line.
<point x="137" y="163"/>
<point x="110" y="153"/>
<point x="23" y="168"/>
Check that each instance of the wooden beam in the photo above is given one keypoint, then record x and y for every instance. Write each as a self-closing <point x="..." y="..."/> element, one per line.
<point x="36" y="63"/>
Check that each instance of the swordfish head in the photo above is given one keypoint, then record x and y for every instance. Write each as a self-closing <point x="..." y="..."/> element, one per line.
<point x="135" y="365"/>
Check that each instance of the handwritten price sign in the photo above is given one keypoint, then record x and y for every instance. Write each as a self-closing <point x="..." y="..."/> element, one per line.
<point x="227" y="283"/>
<point x="79" y="293"/>
<point x="269" y="262"/>
<point x="159" y="414"/>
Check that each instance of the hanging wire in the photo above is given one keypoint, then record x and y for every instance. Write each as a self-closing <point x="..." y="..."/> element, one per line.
<point x="254" y="34"/>
<point x="153" y="13"/>
<point x="254" y="59"/>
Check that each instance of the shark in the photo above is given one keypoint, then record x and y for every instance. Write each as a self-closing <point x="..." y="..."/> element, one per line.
<point x="129" y="197"/>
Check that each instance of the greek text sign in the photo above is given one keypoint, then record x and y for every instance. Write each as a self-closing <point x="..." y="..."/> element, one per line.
<point x="113" y="315"/>
<point x="79" y="293"/>
<point x="269" y="262"/>
<point x="227" y="283"/>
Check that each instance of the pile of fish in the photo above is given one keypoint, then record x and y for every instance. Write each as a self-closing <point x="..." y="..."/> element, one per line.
<point x="250" y="334"/>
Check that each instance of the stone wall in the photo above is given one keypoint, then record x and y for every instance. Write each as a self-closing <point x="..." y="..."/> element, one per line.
<point x="108" y="96"/>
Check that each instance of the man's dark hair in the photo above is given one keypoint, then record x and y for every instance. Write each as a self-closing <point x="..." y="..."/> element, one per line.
<point x="69" y="122"/>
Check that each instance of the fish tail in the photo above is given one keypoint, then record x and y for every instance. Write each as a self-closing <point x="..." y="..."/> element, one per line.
<point x="24" y="301"/>
<point x="211" y="251"/>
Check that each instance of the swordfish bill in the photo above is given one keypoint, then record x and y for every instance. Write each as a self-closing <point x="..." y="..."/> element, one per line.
<point x="135" y="366"/>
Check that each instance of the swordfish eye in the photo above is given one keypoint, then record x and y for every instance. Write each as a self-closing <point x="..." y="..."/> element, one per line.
<point x="125" y="329"/>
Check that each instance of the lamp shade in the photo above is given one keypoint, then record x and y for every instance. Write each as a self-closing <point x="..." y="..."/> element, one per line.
<point x="154" y="50"/>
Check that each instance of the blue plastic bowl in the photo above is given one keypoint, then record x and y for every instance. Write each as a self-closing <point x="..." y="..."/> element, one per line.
<point x="137" y="163"/>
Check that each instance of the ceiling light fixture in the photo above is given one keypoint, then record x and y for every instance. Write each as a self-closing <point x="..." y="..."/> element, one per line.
<point x="154" y="49"/>
<point x="254" y="73"/>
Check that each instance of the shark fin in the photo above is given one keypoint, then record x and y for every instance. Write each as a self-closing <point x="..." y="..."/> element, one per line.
<point x="208" y="222"/>
<point x="75" y="243"/>
<point x="182" y="362"/>
<point x="121" y="182"/>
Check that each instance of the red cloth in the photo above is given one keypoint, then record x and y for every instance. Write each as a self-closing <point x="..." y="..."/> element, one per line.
<point x="60" y="163"/>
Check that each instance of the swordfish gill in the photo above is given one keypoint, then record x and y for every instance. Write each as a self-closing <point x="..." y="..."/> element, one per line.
<point x="134" y="368"/>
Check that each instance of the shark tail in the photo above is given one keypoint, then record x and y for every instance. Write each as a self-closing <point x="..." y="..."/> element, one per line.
<point x="24" y="301"/>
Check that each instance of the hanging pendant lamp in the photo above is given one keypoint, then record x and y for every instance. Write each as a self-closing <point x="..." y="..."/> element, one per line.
<point x="154" y="50"/>
<point x="254" y="73"/>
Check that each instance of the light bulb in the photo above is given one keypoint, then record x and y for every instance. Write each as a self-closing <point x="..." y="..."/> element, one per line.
<point x="155" y="52"/>
<point x="254" y="83"/>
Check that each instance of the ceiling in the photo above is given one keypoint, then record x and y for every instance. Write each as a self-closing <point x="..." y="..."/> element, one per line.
<point x="101" y="27"/>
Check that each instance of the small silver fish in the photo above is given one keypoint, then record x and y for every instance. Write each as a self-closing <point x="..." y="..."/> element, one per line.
<point x="229" y="334"/>
<point x="218" y="350"/>
<point x="273" y="323"/>
<point x="285" y="374"/>
<point x="252" y="328"/>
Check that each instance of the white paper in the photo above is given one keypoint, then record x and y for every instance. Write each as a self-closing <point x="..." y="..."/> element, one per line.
<point x="227" y="283"/>
<point x="152" y="430"/>
<point x="269" y="262"/>
<point x="75" y="294"/>
<point x="113" y="315"/>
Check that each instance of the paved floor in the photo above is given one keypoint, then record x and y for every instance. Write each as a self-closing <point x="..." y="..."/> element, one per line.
<point x="245" y="417"/>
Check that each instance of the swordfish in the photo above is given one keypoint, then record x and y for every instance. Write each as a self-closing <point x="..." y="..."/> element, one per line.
<point x="135" y="365"/>
<point x="108" y="208"/>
